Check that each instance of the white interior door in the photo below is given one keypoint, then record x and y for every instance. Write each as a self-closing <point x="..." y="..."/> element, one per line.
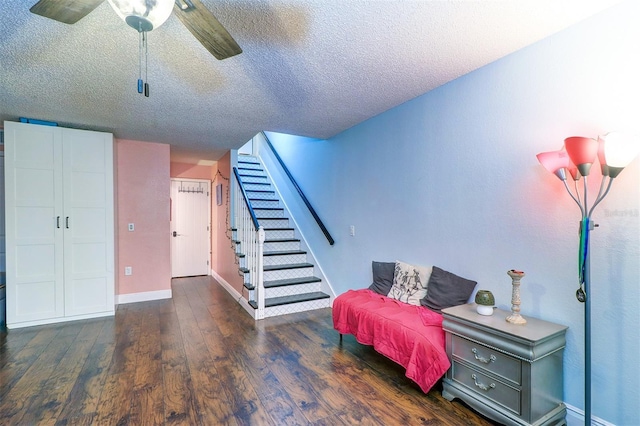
<point x="190" y="224"/>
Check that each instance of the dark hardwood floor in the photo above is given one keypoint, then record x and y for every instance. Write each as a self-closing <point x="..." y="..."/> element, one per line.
<point x="199" y="359"/>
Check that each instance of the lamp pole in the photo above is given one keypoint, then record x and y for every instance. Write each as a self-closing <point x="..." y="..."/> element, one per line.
<point x="587" y="326"/>
<point x="614" y="152"/>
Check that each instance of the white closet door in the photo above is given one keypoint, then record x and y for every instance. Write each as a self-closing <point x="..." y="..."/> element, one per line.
<point x="190" y="218"/>
<point x="33" y="178"/>
<point x="88" y="222"/>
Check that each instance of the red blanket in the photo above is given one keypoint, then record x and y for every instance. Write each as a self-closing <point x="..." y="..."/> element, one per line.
<point x="410" y="335"/>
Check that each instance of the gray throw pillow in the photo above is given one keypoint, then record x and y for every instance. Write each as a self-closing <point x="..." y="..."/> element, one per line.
<point x="446" y="290"/>
<point x="382" y="277"/>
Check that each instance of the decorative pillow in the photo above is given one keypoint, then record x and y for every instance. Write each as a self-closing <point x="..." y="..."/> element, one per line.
<point x="409" y="283"/>
<point x="382" y="277"/>
<point x="447" y="289"/>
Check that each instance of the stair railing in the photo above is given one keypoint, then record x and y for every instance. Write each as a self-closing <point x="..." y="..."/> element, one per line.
<point x="251" y="236"/>
<point x="297" y="187"/>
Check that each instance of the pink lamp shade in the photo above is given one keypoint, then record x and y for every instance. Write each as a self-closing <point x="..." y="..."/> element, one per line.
<point x="582" y="152"/>
<point x="573" y="171"/>
<point x="555" y="162"/>
<point x="619" y="150"/>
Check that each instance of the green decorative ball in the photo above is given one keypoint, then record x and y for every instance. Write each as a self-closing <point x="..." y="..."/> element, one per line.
<point x="485" y="298"/>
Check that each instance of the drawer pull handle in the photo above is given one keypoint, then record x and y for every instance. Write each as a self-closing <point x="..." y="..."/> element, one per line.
<point x="491" y="358"/>
<point x="482" y="386"/>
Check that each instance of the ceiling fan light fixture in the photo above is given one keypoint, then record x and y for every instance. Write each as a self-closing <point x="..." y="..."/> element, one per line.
<point x="143" y="15"/>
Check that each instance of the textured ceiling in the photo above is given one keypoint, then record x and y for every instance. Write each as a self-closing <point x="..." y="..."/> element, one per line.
<point x="309" y="67"/>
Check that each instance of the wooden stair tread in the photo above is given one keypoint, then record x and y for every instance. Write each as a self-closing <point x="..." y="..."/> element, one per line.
<point x="283" y="252"/>
<point x="281" y="267"/>
<point x="285" y="300"/>
<point x="288" y="266"/>
<point x="286" y="282"/>
<point x="291" y="281"/>
<point x="277" y="253"/>
<point x="251" y="168"/>
<point x="282" y="240"/>
<point x="264" y="191"/>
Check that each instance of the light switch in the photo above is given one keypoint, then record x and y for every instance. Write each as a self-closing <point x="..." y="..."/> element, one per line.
<point x="131" y="227"/>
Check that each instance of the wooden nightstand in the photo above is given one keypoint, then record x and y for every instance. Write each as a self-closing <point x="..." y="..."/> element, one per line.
<point x="510" y="373"/>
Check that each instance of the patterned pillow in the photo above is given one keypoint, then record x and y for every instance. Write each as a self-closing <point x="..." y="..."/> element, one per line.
<point x="409" y="283"/>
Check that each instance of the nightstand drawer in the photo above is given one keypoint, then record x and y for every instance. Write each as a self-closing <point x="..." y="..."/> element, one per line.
<point x="504" y="366"/>
<point x="487" y="387"/>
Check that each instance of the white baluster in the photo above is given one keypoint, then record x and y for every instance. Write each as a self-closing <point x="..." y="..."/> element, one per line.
<point x="260" y="272"/>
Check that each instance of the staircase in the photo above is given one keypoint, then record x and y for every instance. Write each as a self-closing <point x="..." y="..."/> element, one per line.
<point x="288" y="277"/>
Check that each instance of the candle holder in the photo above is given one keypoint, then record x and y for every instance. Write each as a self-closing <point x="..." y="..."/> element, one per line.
<point x="515" y="317"/>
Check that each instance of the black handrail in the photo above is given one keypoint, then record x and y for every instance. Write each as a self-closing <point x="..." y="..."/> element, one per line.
<point x="246" y="199"/>
<point x="304" y="198"/>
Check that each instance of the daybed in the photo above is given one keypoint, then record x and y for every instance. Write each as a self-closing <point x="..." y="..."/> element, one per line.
<point x="399" y="315"/>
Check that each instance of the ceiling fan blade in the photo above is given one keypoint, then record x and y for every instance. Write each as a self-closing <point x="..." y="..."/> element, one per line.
<point x="67" y="11"/>
<point x="207" y="29"/>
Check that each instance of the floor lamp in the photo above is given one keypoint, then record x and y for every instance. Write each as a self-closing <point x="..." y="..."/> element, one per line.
<point x="614" y="151"/>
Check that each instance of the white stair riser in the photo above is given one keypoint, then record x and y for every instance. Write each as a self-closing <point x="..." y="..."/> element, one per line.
<point x="252" y="166"/>
<point x="264" y="203"/>
<point x="261" y="195"/>
<point x="279" y="213"/>
<point x="282" y="274"/>
<point x="257" y="186"/>
<point x="279" y="222"/>
<point x="285" y="259"/>
<point x="280" y="246"/>
<point x="258" y="179"/>
<point x="277" y="234"/>
<point x="290" y="290"/>
<point x="297" y="307"/>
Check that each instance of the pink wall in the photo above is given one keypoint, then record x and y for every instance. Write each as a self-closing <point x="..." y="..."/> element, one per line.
<point x="223" y="260"/>
<point x="143" y="185"/>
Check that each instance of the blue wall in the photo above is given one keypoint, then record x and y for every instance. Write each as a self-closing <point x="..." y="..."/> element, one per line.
<point x="451" y="179"/>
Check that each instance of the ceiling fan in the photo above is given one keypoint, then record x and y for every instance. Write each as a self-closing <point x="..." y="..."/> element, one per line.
<point x="146" y="15"/>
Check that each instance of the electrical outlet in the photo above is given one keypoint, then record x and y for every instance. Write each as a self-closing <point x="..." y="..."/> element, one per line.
<point x="131" y="227"/>
<point x="128" y="270"/>
<point x="352" y="230"/>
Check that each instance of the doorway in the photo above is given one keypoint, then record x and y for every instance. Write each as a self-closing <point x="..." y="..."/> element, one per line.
<point x="190" y="227"/>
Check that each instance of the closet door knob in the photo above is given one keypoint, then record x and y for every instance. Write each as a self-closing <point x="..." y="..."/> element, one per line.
<point x="67" y="222"/>
<point x="58" y="222"/>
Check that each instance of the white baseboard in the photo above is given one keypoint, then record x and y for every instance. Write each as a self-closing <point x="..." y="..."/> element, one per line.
<point x="233" y="292"/>
<point x="144" y="296"/>
<point x="59" y="320"/>
<point x="575" y="417"/>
